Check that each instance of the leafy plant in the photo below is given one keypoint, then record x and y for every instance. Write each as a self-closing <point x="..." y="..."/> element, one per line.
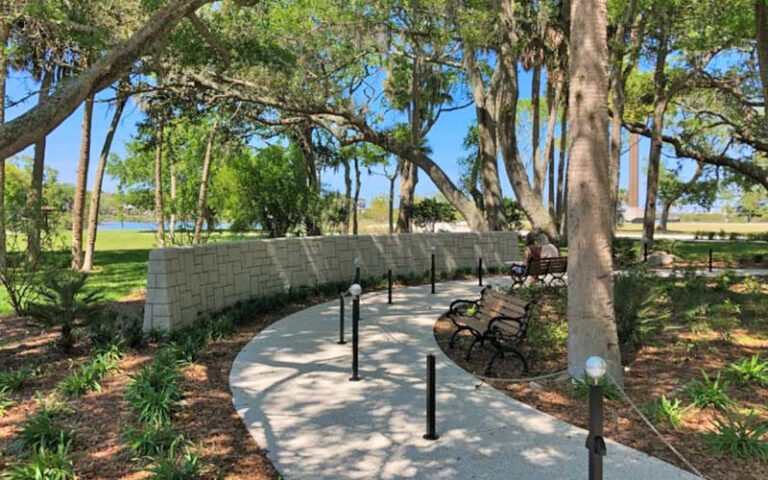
<point x="189" y="342"/>
<point x="154" y="393"/>
<point x="14" y="381"/>
<point x="670" y="412"/>
<point x="709" y="392"/>
<point x="749" y="370"/>
<point x="87" y="378"/>
<point x="42" y="431"/>
<point x="638" y="309"/>
<point x="179" y="463"/>
<point x="65" y="304"/>
<point x="156" y="334"/>
<point x="44" y="464"/>
<point x="151" y="441"/>
<point x="6" y="402"/>
<point x="739" y="436"/>
<point x="581" y="388"/>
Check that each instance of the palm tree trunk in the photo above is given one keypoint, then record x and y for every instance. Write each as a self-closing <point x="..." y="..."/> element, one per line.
<point x="553" y="101"/>
<point x="357" y="196"/>
<point x="98" y="181"/>
<point x="538" y="161"/>
<point x="761" y="27"/>
<point x="203" y="192"/>
<point x="591" y="323"/>
<point x="172" y="191"/>
<point x="409" y="174"/>
<point x="657" y="129"/>
<point x="159" y="203"/>
<point x="347" y="196"/>
<point x="561" y="170"/>
<point x="4" y="34"/>
<point x="35" y="198"/>
<point x="81" y="185"/>
<point x="392" y="203"/>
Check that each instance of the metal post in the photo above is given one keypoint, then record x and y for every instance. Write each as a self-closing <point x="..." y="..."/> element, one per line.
<point x="433" y="273"/>
<point x="341" y="320"/>
<point x="389" y="287"/>
<point x="357" y="274"/>
<point x="355" y="323"/>
<point x="710" y="259"/>
<point x="431" y="433"/>
<point x="595" y="441"/>
<point x="480" y="272"/>
<point x="645" y="252"/>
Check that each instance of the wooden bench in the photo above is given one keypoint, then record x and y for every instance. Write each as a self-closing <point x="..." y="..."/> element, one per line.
<point x="497" y="318"/>
<point x="546" y="271"/>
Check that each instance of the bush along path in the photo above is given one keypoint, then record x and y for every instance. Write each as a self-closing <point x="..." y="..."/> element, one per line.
<point x="105" y="392"/>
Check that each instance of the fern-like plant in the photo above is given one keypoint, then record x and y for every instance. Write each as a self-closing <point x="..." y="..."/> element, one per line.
<point x="6" y="401"/>
<point x="13" y="381"/>
<point x="65" y="304"/>
<point x="179" y="463"/>
<point x="709" y="391"/>
<point x="740" y="436"/>
<point x="669" y="412"/>
<point x="44" y="464"/>
<point x="749" y="371"/>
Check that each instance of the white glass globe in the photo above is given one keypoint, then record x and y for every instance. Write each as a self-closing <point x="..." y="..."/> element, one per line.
<point x="358" y="261"/>
<point x="596" y="367"/>
<point x="355" y="290"/>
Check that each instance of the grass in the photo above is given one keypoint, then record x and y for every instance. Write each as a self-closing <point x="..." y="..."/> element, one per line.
<point x="692" y="227"/>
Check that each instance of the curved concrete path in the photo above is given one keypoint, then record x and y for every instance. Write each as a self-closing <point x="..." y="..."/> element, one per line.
<point x="290" y="386"/>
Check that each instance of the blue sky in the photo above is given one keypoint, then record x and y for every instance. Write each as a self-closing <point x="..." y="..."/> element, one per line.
<point x="445" y="139"/>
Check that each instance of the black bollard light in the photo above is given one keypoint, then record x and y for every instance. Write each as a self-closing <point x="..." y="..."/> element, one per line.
<point x="341" y="320"/>
<point x="355" y="290"/>
<point x="596" y="368"/>
<point x="389" y="287"/>
<point x="480" y="271"/>
<point x="710" y="259"/>
<point x="433" y="269"/>
<point x="431" y="428"/>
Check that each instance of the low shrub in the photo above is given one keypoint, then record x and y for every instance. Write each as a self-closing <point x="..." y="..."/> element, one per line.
<point x="668" y="412"/>
<point x="89" y="376"/>
<point x="740" y="436"/>
<point x="13" y="381"/>
<point x="709" y="391"/>
<point x="581" y="388"/>
<point x="6" y="402"/>
<point x="638" y="307"/>
<point x="625" y="252"/>
<point x="43" y="431"/>
<point x="180" y="462"/>
<point x="44" y="464"/>
<point x="749" y="371"/>
<point x="154" y="392"/>
<point x="151" y="441"/>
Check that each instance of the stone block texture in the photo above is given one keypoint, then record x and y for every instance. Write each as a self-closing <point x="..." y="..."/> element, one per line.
<point x="184" y="282"/>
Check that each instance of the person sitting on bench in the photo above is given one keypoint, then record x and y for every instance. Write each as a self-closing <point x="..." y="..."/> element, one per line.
<point x="546" y="248"/>
<point x="532" y="252"/>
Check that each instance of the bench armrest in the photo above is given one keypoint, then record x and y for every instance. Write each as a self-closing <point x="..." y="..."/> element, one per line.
<point x="457" y="303"/>
<point x="521" y="322"/>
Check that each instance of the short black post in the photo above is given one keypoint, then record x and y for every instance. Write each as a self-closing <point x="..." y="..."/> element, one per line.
<point x="645" y="252"/>
<point x="480" y="272"/>
<point x="357" y="274"/>
<point x="431" y="430"/>
<point x="389" y="287"/>
<point x="433" y="272"/>
<point x="595" y="441"/>
<point x="710" y="259"/>
<point x="355" y="340"/>
<point x="341" y="320"/>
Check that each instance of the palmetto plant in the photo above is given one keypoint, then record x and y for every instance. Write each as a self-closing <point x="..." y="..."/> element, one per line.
<point x="64" y="303"/>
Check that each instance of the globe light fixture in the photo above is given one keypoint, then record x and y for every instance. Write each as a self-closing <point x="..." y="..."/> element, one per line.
<point x="596" y="368"/>
<point x="355" y="290"/>
<point x="358" y="261"/>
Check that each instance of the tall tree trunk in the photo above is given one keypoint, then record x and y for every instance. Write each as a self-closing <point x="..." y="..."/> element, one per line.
<point x="4" y="34"/>
<point x="392" y="204"/>
<point x="203" y="191"/>
<point x="761" y="19"/>
<point x="304" y="140"/>
<point x="81" y="185"/>
<point x="591" y="323"/>
<point x="93" y="210"/>
<point x="664" y="221"/>
<point x="657" y="129"/>
<point x="409" y="176"/>
<point x="159" y="202"/>
<point x="356" y="197"/>
<point x="561" y="170"/>
<point x="539" y="168"/>
<point x="554" y="87"/>
<point x="617" y="103"/>
<point x="35" y="198"/>
<point x="347" y="196"/>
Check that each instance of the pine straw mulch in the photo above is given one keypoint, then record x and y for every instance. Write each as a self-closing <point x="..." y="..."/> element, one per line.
<point x="207" y="418"/>
<point x="665" y="368"/>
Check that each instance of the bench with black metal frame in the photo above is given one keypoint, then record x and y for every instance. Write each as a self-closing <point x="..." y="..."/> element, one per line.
<point x="546" y="271"/>
<point x="497" y="318"/>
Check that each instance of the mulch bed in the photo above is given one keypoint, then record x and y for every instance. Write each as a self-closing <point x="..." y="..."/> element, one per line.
<point x="208" y="417"/>
<point x="655" y="370"/>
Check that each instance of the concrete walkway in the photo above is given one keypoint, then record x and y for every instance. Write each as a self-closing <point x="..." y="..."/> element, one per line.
<point x="290" y="386"/>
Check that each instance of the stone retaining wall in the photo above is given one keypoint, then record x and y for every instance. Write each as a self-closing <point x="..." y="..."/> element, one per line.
<point x="184" y="282"/>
